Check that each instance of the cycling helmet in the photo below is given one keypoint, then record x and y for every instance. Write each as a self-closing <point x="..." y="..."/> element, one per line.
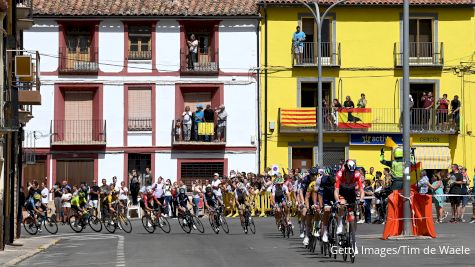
<point x="328" y="171"/>
<point x="208" y="189"/>
<point x="181" y="191"/>
<point x="279" y="180"/>
<point x="313" y="171"/>
<point x="350" y="165"/>
<point x="148" y="189"/>
<point x="36" y="196"/>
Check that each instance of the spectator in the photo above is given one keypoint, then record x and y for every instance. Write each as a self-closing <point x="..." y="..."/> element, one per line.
<point x="297" y="43"/>
<point x="197" y="192"/>
<point x="168" y="197"/>
<point x="123" y="195"/>
<point x="94" y="193"/>
<point x="44" y="195"/>
<point x="349" y="104"/>
<point x="442" y="111"/>
<point x="134" y="187"/>
<point x="333" y="119"/>
<point x="66" y="203"/>
<point x="192" y="52"/>
<point x="465" y="185"/>
<point x="368" y="191"/>
<point x="455" y="106"/>
<point x="362" y="101"/>
<point x="387" y="177"/>
<point x="178" y="130"/>
<point x="58" y="205"/>
<point x="222" y="119"/>
<point x="187" y="116"/>
<point x="104" y="188"/>
<point x="370" y="174"/>
<point x="198" y="118"/>
<point x="438" y="189"/>
<point x="455" y="189"/>
<point x="215" y="185"/>
<point x="158" y="190"/>
<point x="209" y="118"/>
<point x="427" y="105"/>
<point x="148" y="177"/>
<point x="378" y="188"/>
<point x="423" y="183"/>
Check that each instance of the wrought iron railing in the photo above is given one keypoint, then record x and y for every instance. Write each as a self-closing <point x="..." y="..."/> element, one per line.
<point x="421" y="54"/>
<point x="78" y="132"/>
<point x="78" y="62"/>
<point x="305" y="54"/>
<point x="199" y="133"/>
<point x="140" y="55"/>
<point x="205" y="62"/>
<point x="139" y="124"/>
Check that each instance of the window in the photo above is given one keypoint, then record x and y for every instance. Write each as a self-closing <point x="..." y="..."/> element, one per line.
<point x="140" y="42"/>
<point x="200" y="170"/>
<point x="308" y="94"/>
<point x="204" y="58"/>
<point x="139" y="109"/>
<point x="420" y="37"/>
<point x="78" y="40"/>
<point x="79" y="54"/>
<point x="310" y="43"/>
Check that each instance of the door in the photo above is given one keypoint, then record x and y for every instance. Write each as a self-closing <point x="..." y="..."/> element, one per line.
<point x="75" y="171"/>
<point x="308" y="94"/>
<point x="35" y="171"/>
<point x="139" y="162"/>
<point x="302" y="157"/>
<point x="79" y="41"/>
<point x="420" y="38"/>
<point x="78" y="123"/>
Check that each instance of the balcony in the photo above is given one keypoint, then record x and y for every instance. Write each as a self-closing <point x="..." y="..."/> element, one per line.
<point x="421" y="54"/>
<point x="78" y="132"/>
<point x="24" y="9"/>
<point x="205" y="64"/>
<point x="140" y="55"/>
<point x="331" y="56"/>
<point x="27" y="69"/>
<point x="367" y="120"/>
<point x="78" y="62"/>
<point x="139" y="124"/>
<point x="207" y="134"/>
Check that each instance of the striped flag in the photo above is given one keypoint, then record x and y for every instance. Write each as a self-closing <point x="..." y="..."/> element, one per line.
<point x="354" y="118"/>
<point x="300" y="117"/>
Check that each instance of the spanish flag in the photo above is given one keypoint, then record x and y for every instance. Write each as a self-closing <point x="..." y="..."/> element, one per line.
<point x="354" y="118"/>
<point x="301" y="117"/>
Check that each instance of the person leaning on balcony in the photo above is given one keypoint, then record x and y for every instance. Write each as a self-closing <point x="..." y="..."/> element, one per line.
<point x="222" y="118"/>
<point x="442" y="110"/>
<point x="209" y="119"/>
<point x="362" y="101"/>
<point x="455" y="106"/>
<point x="198" y="117"/>
<point x="192" y="51"/>
<point x="349" y="104"/>
<point x="427" y="104"/>
<point x="297" y="43"/>
<point x="186" y="122"/>
<point x="336" y="106"/>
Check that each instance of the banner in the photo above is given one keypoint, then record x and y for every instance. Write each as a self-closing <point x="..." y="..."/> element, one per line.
<point x="205" y="128"/>
<point x="354" y="118"/>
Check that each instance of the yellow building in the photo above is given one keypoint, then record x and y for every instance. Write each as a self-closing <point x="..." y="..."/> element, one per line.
<point x="361" y="54"/>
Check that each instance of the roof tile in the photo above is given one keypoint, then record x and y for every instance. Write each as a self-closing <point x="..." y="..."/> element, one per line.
<point x="382" y="2"/>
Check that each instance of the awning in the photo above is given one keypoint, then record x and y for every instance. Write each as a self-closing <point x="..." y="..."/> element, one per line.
<point x="433" y="157"/>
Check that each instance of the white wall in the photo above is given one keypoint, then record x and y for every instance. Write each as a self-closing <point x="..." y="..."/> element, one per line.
<point x="139" y="139"/>
<point x="44" y="37"/>
<point x="111" y="165"/>
<point x="113" y="113"/>
<point x="237" y="45"/>
<point x="165" y="166"/>
<point x="165" y="114"/>
<point x="111" y="36"/>
<point x="42" y="116"/>
<point x="168" y="45"/>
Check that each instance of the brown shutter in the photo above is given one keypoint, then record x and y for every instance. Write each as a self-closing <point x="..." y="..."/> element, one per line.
<point x="75" y="171"/>
<point x="78" y="108"/>
<point x="192" y="99"/>
<point x="140" y="109"/>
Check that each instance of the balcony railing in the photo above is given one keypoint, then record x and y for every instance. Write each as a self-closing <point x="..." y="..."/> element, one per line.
<point x="24" y="9"/>
<point x="421" y="54"/>
<point x="205" y="63"/>
<point x="78" y="62"/>
<point x="78" y="132"/>
<point x="306" y="54"/>
<point x="208" y="134"/>
<point x="372" y="120"/>
<point x="140" y="55"/>
<point x="28" y="85"/>
<point x="139" y="124"/>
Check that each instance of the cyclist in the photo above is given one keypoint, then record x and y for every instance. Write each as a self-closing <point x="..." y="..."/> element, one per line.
<point x="149" y="200"/>
<point x="304" y="185"/>
<point x="347" y="179"/>
<point x="78" y="203"/>
<point x="211" y="201"/>
<point x="32" y="205"/>
<point x="183" y="200"/>
<point x="240" y="195"/>
<point x="280" y="196"/>
<point x="325" y="198"/>
<point x="311" y="203"/>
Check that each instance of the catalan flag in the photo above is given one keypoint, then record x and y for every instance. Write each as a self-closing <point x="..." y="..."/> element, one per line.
<point x="354" y="118"/>
<point x="301" y="117"/>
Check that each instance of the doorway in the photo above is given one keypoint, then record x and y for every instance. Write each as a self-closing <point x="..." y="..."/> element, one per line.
<point x="302" y="157"/>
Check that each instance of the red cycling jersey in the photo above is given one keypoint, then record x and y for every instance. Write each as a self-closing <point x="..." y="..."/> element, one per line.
<point x="146" y="198"/>
<point x="355" y="180"/>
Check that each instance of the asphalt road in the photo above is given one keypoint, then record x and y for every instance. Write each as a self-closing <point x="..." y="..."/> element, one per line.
<point x="265" y="248"/>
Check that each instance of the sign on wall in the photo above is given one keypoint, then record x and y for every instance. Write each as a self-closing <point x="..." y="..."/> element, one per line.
<point x="379" y="139"/>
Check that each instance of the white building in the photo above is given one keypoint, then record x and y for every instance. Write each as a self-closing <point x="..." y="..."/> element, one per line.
<point x="115" y="79"/>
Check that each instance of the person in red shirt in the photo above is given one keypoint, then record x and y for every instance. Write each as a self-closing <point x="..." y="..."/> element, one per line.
<point x="427" y="105"/>
<point x="442" y="111"/>
<point x="348" y="179"/>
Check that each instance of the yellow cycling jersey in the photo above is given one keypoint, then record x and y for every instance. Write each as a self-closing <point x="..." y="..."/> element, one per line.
<point x="311" y="187"/>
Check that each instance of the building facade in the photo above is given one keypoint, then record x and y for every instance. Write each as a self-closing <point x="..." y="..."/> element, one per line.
<point x="116" y="79"/>
<point x="361" y="54"/>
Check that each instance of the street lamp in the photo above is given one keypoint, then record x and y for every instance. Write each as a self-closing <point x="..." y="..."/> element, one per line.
<point x="319" y="118"/>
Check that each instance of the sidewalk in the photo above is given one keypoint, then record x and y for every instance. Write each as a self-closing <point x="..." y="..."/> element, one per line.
<point x="25" y="248"/>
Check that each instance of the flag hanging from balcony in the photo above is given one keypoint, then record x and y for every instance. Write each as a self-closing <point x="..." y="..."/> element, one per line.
<point x="301" y="117"/>
<point x="354" y="118"/>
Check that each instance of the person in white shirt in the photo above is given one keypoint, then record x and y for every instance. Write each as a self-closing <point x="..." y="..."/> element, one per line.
<point x="186" y="122"/>
<point x="215" y="185"/>
<point x="123" y="193"/>
<point x="192" y="52"/>
<point x="158" y="189"/>
<point x="44" y="195"/>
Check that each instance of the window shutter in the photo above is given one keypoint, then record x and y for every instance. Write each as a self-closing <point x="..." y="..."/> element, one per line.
<point x="140" y="109"/>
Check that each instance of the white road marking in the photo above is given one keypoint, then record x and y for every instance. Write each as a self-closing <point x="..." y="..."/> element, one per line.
<point x="120" y="260"/>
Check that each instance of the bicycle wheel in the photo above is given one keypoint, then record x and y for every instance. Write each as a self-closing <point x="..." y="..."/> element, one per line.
<point x="198" y="224"/>
<point x="125" y="224"/>
<point x="352" y="242"/>
<point x="164" y="224"/>
<point x="30" y="225"/>
<point x="212" y="223"/>
<point x="109" y="224"/>
<point x="184" y="224"/>
<point x="50" y="225"/>
<point x="224" y="224"/>
<point x="148" y="224"/>
<point x="74" y="222"/>
<point x="95" y="223"/>
<point x="252" y="226"/>
<point x="332" y="236"/>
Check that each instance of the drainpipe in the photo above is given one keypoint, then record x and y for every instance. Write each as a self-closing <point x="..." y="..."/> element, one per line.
<point x="265" y="86"/>
<point x="258" y="78"/>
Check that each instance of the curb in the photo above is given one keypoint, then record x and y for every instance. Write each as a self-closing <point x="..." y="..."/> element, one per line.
<point x="30" y="254"/>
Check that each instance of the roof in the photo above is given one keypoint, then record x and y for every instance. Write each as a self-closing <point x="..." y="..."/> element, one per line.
<point x="145" y="8"/>
<point x="382" y="2"/>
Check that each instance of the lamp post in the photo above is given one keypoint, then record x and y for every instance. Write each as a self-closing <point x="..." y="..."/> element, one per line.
<point x="319" y="118"/>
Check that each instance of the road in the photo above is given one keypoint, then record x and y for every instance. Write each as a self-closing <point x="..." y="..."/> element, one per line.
<point x="265" y="248"/>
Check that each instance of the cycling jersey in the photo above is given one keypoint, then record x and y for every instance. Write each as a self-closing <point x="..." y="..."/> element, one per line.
<point x="312" y="188"/>
<point x="347" y="190"/>
<point x="183" y="200"/>
<point x="30" y="204"/>
<point x="211" y="200"/>
<point x="279" y="193"/>
<point x="145" y="201"/>
<point x="77" y="202"/>
<point x="241" y="195"/>
<point x="327" y="187"/>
